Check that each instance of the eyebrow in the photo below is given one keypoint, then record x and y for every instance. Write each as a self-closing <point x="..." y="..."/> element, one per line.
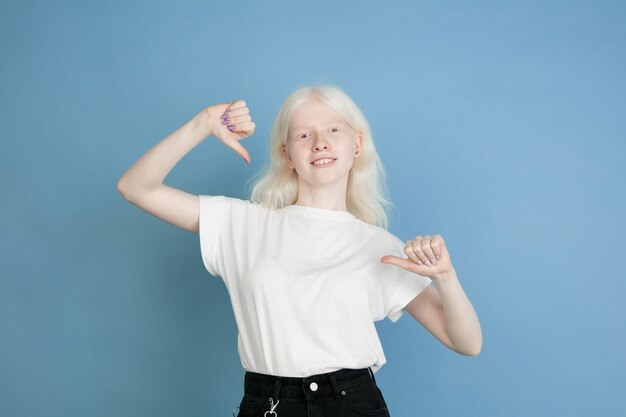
<point x="295" y="129"/>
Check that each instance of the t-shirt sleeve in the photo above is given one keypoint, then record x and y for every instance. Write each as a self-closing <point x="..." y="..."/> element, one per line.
<point x="402" y="285"/>
<point x="214" y="223"/>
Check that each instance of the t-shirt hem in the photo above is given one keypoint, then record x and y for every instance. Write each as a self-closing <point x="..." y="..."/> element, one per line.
<point x="404" y="301"/>
<point x="207" y="246"/>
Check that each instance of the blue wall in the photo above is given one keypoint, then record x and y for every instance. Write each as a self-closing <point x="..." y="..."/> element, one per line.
<point x="500" y="128"/>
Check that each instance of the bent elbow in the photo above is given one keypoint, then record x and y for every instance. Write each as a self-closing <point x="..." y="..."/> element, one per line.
<point x="121" y="188"/>
<point x="474" y="352"/>
<point x="469" y="351"/>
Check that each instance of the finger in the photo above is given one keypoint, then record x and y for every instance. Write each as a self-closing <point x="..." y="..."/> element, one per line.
<point x="428" y="252"/>
<point x="417" y="248"/>
<point x="236" y="146"/>
<point x="408" y="251"/>
<point x="229" y="114"/>
<point x="402" y="263"/>
<point x="238" y="119"/>
<point x="246" y="127"/>
<point x="437" y="245"/>
<point x="236" y="105"/>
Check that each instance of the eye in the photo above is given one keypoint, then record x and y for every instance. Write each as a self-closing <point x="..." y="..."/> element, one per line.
<point x="334" y="129"/>
<point x="302" y="136"/>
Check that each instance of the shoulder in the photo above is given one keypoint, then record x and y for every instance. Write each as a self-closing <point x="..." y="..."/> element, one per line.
<point x="382" y="233"/>
<point x="220" y="199"/>
<point x="209" y="202"/>
<point x="383" y="238"/>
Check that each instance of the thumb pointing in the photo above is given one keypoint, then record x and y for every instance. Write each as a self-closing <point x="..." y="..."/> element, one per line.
<point x="236" y="146"/>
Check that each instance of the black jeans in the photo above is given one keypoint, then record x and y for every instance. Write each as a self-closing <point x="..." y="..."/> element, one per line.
<point x="342" y="393"/>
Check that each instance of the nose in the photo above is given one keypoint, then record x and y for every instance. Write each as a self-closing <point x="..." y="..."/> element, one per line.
<point x="320" y="142"/>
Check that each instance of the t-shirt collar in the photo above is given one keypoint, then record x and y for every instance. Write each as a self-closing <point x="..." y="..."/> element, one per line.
<point x="316" y="211"/>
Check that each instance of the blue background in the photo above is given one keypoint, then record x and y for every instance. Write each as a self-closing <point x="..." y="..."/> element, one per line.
<point x="501" y="127"/>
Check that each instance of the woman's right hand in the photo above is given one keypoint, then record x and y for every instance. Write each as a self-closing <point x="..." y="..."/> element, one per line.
<point x="220" y="117"/>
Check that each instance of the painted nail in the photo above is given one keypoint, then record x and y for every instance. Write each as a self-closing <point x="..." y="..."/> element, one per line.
<point x="231" y="127"/>
<point x="224" y="122"/>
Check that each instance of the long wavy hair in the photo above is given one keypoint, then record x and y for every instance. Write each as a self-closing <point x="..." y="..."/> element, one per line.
<point x="277" y="185"/>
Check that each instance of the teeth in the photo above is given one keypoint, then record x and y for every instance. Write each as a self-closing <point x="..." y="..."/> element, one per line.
<point x="323" y="161"/>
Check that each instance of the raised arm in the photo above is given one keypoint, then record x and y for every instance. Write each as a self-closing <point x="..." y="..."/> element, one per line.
<point x="142" y="184"/>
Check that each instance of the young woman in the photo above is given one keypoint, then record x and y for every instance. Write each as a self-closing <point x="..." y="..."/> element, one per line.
<point x="308" y="263"/>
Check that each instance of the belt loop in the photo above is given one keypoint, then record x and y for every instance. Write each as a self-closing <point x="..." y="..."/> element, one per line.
<point x="277" y="388"/>
<point x="333" y="382"/>
<point x="372" y="374"/>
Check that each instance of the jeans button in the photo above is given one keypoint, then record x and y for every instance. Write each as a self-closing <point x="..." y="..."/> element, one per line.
<point x="313" y="386"/>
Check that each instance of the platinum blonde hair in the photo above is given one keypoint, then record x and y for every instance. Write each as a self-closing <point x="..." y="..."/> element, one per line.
<point x="277" y="185"/>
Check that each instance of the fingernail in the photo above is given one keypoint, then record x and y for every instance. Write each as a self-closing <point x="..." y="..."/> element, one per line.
<point x="224" y="122"/>
<point x="428" y="263"/>
<point x="438" y="257"/>
<point x="433" y="262"/>
<point x="231" y="127"/>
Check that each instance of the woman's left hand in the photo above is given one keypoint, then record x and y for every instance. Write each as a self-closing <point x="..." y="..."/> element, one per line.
<point x="427" y="256"/>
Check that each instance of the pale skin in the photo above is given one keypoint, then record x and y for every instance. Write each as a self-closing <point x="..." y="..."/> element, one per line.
<point x="444" y="311"/>
<point x="315" y="131"/>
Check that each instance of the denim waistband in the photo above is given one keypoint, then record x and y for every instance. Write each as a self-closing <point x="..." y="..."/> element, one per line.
<point x="313" y="386"/>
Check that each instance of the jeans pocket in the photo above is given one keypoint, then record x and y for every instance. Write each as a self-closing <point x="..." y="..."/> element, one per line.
<point x="251" y="406"/>
<point x="366" y="400"/>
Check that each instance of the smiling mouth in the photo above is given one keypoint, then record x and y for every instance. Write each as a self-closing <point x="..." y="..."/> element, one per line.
<point x="323" y="162"/>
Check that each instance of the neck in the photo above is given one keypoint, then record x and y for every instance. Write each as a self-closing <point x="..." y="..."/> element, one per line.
<point x="330" y="197"/>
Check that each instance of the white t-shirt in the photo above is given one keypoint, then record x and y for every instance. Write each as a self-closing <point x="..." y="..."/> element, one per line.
<point x="306" y="284"/>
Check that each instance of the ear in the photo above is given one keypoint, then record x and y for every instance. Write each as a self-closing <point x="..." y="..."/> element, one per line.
<point x="287" y="157"/>
<point x="359" y="142"/>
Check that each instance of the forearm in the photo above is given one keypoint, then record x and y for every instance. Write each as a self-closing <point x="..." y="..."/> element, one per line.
<point x="461" y="321"/>
<point x="151" y="169"/>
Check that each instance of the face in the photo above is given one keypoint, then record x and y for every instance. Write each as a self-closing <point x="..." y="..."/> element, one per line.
<point x="318" y="132"/>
